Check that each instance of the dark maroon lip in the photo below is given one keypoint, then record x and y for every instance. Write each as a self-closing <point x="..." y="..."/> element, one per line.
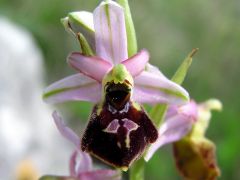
<point x="108" y="143"/>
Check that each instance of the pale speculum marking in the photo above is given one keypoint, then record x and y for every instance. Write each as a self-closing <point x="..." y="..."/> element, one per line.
<point x="130" y="126"/>
<point x="125" y="109"/>
<point x="114" y="111"/>
<point x="127" y="124"/>
<point x="112" y="127"/>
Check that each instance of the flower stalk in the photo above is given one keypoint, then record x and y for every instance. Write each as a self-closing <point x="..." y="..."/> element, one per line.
<point x="137" y="170"/>
<point x="130" y="29"/>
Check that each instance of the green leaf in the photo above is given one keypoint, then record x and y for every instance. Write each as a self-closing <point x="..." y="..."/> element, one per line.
<point x="158" y="111"/>
<point x="180" y="74"/>
<point x="157" y="114"/>
<point x="131" y="34"/>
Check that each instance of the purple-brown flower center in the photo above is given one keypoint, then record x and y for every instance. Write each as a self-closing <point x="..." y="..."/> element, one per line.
<point x="117" y="95"/>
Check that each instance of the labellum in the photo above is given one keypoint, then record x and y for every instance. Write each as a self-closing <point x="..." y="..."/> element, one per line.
<point x="119" y="129"/>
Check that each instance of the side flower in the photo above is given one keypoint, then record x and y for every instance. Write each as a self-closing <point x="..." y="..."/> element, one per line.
<point x="178" y="122"/>
<point x="195" y="155"/>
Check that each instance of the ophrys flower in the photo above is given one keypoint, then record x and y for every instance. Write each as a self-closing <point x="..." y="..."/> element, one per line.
<point x="119" y="129"/>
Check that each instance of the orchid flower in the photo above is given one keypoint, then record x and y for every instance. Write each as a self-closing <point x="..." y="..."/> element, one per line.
<point x="80" y="163"/>
<point x="119" y="129"/>
<point x="111" y="50"/>
<point x="178" y="122"/>
<point x="195" y="155"/>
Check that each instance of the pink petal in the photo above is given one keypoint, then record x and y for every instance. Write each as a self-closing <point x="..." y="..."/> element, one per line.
<point x="77" y="87"/>
<point x="136" y="64"/>
<point x="110" y="32"/>
<point x="101" y="175"/>
<point x="91" y="66"/>
<point x="153" y="69"/>
<point x="80" y="162"/>
<point x="72" y="164"/>
<point x="66" y="131"/>
<point x="189" y="110"/>
<point x="176" y="126"/>
<point x="155" y="88"/>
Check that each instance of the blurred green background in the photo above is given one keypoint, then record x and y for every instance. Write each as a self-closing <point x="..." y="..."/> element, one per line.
<point x="169" y="30"/>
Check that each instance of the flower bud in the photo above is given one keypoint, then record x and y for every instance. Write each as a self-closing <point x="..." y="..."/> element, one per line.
<point x="80" y="25"/>
<point x="195" y="155"/>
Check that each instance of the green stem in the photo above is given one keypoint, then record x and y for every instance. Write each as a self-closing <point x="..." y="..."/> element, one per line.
<point x="157" y="113"/>
<point x="137" y="170"/>
<point x="131" y="34"/>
